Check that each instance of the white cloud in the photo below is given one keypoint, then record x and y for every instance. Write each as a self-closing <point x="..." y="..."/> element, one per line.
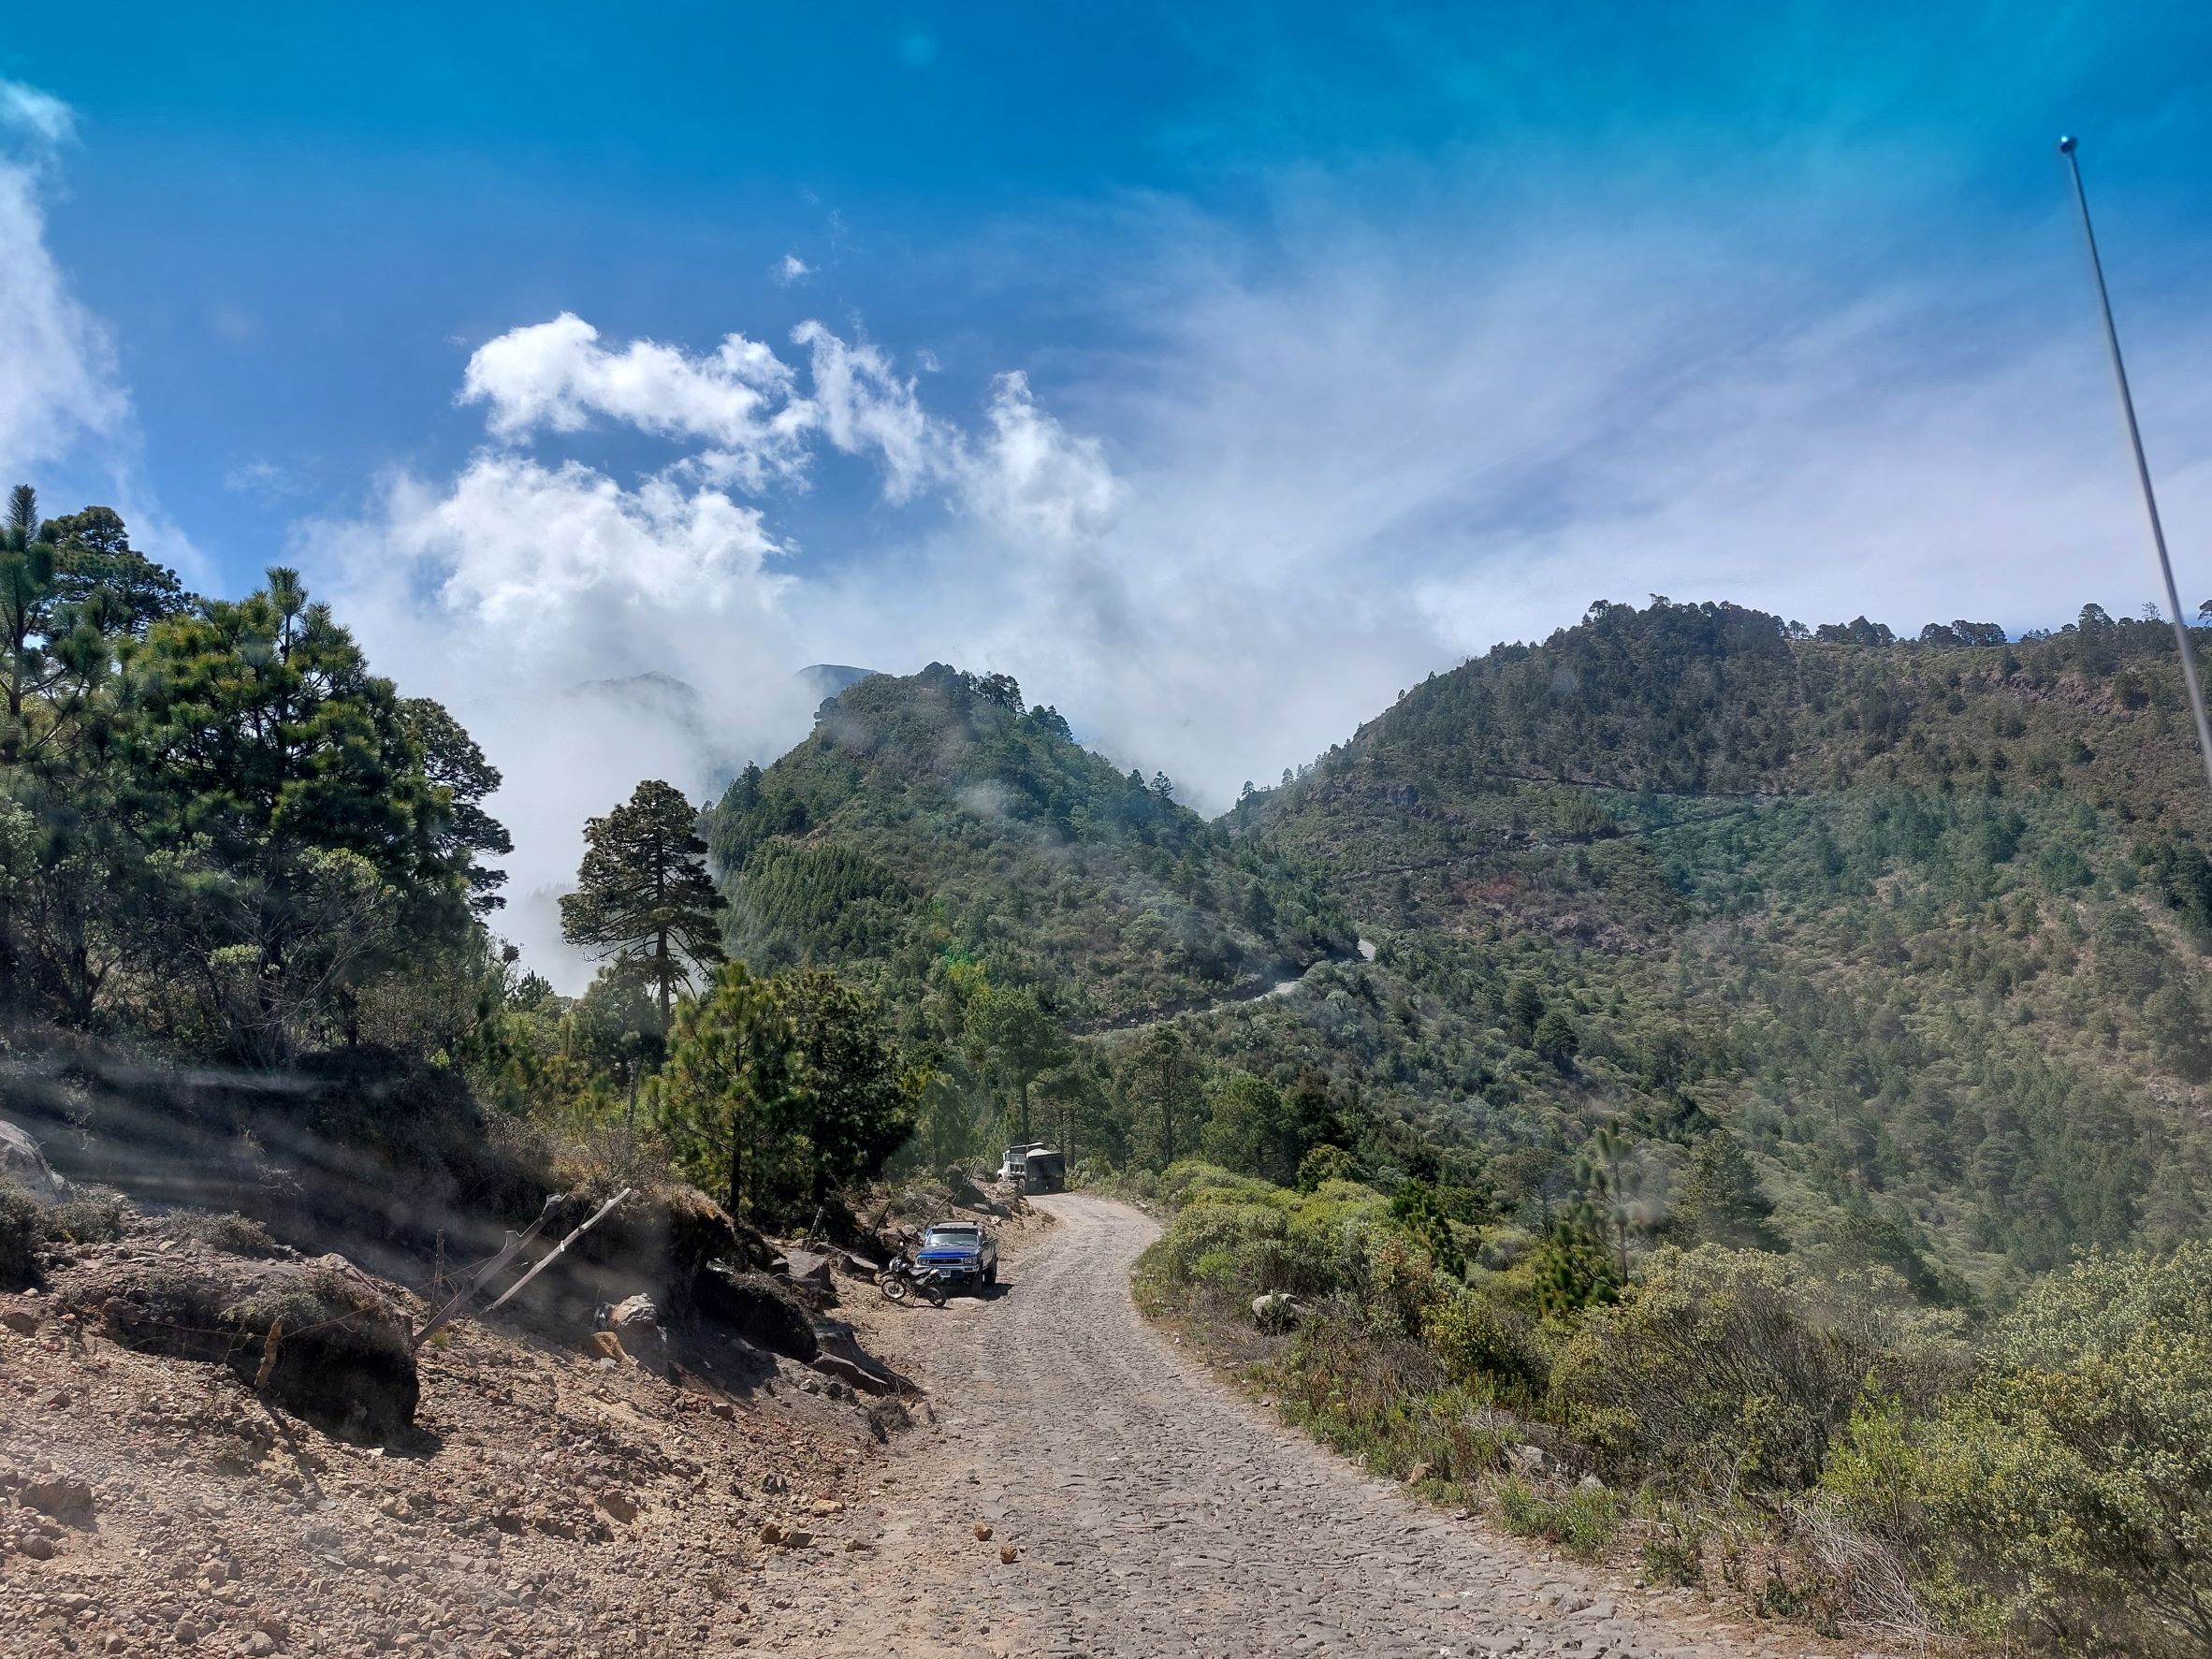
<point x="544" y="555"/>
<point x="65" y="418"/>
<point x="265" y="479"/>
<point x="1035" y="480"/>
<point x="789" y="270"/>
<point x="58" y="360"/>
<point x="508" y="590"/>
<point x="557" y="378"/>
<point x="44" y="117"/>
<point x="866" y="409"/>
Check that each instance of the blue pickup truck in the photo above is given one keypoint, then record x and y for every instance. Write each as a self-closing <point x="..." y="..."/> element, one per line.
<point x="963" y="1251"/>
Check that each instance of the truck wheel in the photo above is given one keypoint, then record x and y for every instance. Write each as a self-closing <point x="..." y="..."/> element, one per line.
<point x="991" y="1273"/>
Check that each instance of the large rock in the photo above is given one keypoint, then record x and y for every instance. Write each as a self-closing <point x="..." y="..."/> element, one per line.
<point x="759" y="1308"/>
<point x="1275" y="1311"/>
<point x="23" y="1164"/>
<point x="318" y="1337"/>
<point x="809" y="1275"/>
<point x="841" y="1356"/>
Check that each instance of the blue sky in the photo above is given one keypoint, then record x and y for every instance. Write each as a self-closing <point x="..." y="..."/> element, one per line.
<point x="1350" y="340"/>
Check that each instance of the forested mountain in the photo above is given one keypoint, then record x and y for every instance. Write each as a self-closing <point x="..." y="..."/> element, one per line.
<point x="1633" y="718"/>
<point x="1924" y="923"/>
<point x="933" y="817"/>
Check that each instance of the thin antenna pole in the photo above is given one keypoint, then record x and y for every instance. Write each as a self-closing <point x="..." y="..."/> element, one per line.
<point x="2150" y="501"/>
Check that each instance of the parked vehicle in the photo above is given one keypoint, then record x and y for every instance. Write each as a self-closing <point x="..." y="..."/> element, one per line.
<point x="905" y="1277"/>
<point x="1034" y="1168"/>
<point x="964" y="1252"/>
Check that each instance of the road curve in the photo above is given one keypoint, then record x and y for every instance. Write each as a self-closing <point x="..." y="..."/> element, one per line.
<point x="1156" y="1513"/>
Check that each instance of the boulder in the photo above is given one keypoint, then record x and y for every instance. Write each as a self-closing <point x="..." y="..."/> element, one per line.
<point x="631" y="1314"/>
<point x="809" y="1275"/>
<point x="962" y="1188"/>
<point x="762" y="1310"/>
<point x="841" y="1356"/>
<point x="1527" y="1461"/>
<point x="61" y="1497"/>
<point x="848" y="1372"/>
<point x="1275" y="1311"/>
<point x="319" y="1337"/>
<point x="21" y="1164"/>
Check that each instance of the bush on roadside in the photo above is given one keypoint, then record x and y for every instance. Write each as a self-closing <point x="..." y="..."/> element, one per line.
<point x="1733" y="1370"/>
<point x="2065" y="1496"/>
<point x="1485" y="1343"/>
<point x="234" y="1234"/>
<point x="1583" y="1521"/>
<point x="23" y="1229"/>
<point x="1234" y="1238"/>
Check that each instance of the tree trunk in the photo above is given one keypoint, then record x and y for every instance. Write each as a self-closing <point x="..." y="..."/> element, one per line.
<point x="737" y="1165"/>
<point x="660" y="957"/>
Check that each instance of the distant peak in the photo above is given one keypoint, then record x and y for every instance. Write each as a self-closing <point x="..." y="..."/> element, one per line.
<point x="652" y="684"/>
<point x="826" y="679"/>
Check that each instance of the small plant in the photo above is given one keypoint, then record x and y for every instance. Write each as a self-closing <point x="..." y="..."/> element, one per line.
<point x="22" y="1228"/>
<point x="1584" y="1522"/>
<point x="234" y="1234"/>
<point x="1672" y="1559"/>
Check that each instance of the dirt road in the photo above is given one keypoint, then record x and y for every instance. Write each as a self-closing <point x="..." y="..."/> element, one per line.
<point x="1157" y="1514"/>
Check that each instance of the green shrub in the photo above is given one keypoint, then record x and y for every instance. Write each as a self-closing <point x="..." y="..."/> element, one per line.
<point x="1402" y="1284"/>
<point x="1584" y="1522"/>
<point x="1672" y="1558"/>
<point x="25" y="1223"/>
<point x="1270" y="1238"/>
<point x="2066" y="1495"/>
<point x="1324" y="1164"/>
<point x="1727" y="1369"/>
<point x="23" y="1229"/>
<point x="93" y="1218"/>
<point x="1485" y="1343"/>
<point x="233" y="1233"/>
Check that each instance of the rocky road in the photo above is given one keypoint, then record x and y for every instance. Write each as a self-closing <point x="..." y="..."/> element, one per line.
<point x="1148" y="1511"/>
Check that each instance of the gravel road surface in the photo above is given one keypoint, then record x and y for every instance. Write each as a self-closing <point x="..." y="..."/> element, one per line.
<point x="1156" y="1513"/>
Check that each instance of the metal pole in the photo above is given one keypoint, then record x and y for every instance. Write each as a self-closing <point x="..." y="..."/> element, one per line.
<point x="2150" y="501"/>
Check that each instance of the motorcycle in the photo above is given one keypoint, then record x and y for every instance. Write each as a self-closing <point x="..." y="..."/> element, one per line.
<point x="906" y="1277"/>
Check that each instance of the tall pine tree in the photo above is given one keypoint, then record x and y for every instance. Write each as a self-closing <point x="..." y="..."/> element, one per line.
<point x="643" y="891"/>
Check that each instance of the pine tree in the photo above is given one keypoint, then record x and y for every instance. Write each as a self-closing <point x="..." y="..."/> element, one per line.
<point x="643" y="890"/>
<point x="26" y="607"/>
<point x="1013" y="1042"/>
<point x="734" y="1086"/>
<point x="860" y="1106"/>
<point x="1721" y="1201"/>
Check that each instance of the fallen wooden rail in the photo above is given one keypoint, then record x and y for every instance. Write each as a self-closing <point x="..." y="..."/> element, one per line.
<point x="491" y="1270"/>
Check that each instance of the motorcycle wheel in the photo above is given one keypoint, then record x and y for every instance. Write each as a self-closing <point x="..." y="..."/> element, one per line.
<point x="895" y="1290"/>
<point x="935" y="1293"/>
